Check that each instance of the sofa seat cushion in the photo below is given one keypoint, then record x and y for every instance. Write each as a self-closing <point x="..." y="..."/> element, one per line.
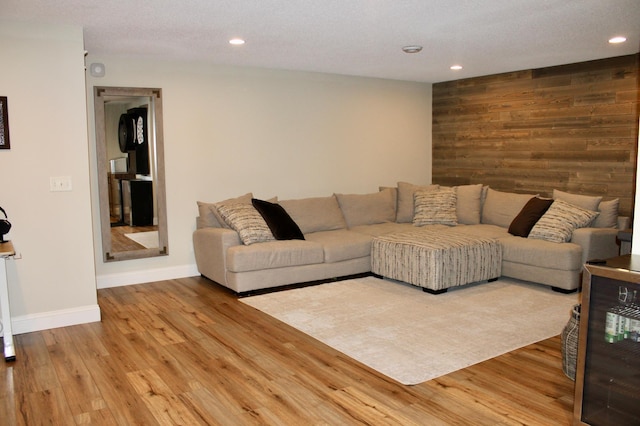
<point x="545" y="254"/>
<point x="342" y="244"/>
<point x="481" y="230"/>
<point x="273" y="254"/>
<point x="387" y="228"/>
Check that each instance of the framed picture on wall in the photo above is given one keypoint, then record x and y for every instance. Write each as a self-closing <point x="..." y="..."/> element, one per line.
<point x="4" y="124"/>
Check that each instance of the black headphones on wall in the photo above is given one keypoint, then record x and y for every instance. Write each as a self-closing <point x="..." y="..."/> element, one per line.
<point x="5" y="226"/>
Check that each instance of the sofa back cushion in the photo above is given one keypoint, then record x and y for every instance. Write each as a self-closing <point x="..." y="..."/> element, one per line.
<point x="394" y="195"/>
<point x="367" y="209"/>
<point x="315" y="214"/>
<point x="608" y="217"/>
<point x="206" y="218"/>
<point x="469" y="203"/>
<point x="500" y="208"/>
<point x="585" y="201"/>
<point x="406" y="192"/>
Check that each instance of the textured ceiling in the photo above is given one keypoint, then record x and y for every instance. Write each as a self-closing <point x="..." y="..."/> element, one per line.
<point x="353" y="37"/>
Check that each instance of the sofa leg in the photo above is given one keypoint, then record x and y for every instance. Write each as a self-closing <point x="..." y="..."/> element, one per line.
<point x="563" y="290"/>
<point x="428" y="290"/>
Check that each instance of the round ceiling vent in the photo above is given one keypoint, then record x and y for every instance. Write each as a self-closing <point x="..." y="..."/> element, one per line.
<point x="411" y="49"/>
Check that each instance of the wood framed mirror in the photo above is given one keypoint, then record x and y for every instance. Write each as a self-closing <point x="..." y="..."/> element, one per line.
<point x="131" y="184"/>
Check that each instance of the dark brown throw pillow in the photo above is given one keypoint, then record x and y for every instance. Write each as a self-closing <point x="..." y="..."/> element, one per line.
<point x="529" y="216"/>
<point x="278" y="220"/>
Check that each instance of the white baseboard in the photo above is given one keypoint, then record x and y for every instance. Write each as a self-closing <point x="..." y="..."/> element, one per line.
<point x="55" y="319"/>
<point x="86" y="314"/>
<point x="148" y="275"/>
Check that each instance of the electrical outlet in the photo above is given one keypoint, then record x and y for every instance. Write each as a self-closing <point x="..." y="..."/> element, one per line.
<point x="60" y="183"/>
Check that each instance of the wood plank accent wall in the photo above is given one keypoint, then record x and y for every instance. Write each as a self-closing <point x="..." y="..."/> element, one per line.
<point x="571" y="127"/>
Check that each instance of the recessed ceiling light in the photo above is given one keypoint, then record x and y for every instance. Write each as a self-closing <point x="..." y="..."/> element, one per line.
<point x="616" y="40"/>
<point x="236" y="41"/>
<point x="411" y="49"/>
<point x="456" y="67"/>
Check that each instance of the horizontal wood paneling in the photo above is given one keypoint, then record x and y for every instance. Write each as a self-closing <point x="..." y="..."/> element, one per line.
<point x="572" y="127"/>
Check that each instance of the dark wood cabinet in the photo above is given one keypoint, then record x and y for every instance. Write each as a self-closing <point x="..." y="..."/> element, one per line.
<point x="608" y="365"/>
<point x="138" y="202"/>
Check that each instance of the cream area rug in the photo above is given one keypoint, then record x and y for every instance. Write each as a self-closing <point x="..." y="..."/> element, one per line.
<point x="147" y="239"/>
<point x="412" y="336"/>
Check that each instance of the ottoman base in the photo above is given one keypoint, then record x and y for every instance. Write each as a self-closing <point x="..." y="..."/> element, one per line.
<point x="444" y="290"/>
<point x="428" y="290"/>
<point x="436" y="259"/>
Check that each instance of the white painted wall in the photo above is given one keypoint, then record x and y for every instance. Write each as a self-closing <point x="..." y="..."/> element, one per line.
<point x="42" y="74"/>
<point x="229" y="131"/>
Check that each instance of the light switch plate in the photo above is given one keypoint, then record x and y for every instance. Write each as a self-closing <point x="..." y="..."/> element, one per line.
<point x="60" y="183"/>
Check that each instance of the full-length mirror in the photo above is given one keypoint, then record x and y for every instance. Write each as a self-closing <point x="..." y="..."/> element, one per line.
<point x="130" y="155"/>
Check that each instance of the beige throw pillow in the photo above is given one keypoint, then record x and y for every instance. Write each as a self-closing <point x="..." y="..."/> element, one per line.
<point x="559" y="222"/>
<point x="435" y="207"/>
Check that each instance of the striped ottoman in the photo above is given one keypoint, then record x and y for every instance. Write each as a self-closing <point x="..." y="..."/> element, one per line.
<point x="436" y="259"/>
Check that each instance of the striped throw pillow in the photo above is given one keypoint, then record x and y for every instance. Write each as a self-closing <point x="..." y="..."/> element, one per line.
<point x="435" y="207"/>
<point x="559" y="222"/>
<point x="247" y="222"/>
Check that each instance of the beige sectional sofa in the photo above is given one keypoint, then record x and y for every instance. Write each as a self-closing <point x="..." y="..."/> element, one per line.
<point x="235" y="245"/>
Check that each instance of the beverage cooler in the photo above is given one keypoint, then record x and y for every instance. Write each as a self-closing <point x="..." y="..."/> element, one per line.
<point x="607" y="388"/>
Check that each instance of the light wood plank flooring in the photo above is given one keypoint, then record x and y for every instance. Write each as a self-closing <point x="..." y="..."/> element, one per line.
<point x="121" y="243"/>
<point x="187" y="352"/>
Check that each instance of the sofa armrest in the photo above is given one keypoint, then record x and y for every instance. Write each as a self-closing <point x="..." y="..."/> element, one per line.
<point x="210" y="247"/>
<point x="596" y="243"/>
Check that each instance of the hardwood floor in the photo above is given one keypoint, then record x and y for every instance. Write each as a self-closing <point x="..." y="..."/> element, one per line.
<point x="119" y="242"/>
<point x="187" y="352"/>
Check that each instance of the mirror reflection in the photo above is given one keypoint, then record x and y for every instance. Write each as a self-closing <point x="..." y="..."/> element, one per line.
<point x="131" y="172"/>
